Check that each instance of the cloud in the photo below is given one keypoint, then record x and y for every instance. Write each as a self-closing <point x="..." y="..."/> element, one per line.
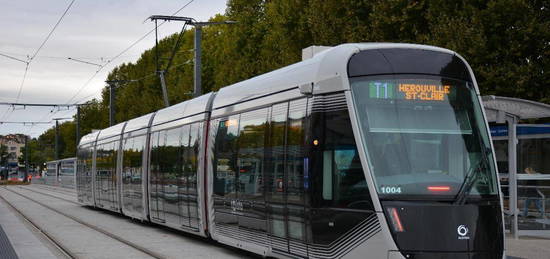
<point x="91" y="30"/>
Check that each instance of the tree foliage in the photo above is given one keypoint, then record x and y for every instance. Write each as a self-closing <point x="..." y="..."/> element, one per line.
<point x="507" y="43"/>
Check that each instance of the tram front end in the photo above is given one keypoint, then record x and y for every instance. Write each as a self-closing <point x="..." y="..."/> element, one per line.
<point x="427" y="153"/>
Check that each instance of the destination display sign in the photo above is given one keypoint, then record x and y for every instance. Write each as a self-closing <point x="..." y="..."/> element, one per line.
<point x="422" y="91"/>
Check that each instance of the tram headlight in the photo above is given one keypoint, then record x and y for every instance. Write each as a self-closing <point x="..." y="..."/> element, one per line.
<point x="395" y="220"/>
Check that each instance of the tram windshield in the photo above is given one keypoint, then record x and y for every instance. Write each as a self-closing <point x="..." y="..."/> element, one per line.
<point x="425" y="137"/>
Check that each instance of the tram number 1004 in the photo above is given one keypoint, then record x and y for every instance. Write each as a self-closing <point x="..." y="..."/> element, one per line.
<point x="390" y="189"/>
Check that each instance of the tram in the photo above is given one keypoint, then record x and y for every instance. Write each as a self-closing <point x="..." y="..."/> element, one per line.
<point x="372" y="150"/>
<point x="60" y="173"/>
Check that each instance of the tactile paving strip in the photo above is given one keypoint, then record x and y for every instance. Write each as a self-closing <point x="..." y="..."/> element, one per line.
<point x="6" y="249"/>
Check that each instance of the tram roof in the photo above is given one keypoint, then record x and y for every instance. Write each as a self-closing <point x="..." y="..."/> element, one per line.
<point x="69" y="159"/>
<point x="327" y="71"/>
<point x="188" y="108"/>
<point x="111" y="131"/>
<point x="520" y="108"/>
<point x="89" y="138"/>
<point x="138" y="123"/>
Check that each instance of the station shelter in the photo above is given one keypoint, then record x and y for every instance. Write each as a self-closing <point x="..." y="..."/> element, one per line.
<point x="523" y="159"/>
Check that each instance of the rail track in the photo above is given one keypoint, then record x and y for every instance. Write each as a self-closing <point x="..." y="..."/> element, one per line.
<point x="64" y="249"/>
<point x="50" y="195"/>
<point x="48" y="236"/>
<point x="56" y="189"/>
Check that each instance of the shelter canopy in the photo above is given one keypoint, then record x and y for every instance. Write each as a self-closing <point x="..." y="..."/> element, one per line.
<point x="498" y="106"/>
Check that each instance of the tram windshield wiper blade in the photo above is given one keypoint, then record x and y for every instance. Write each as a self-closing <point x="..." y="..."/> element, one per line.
<point x="471" y="179"/>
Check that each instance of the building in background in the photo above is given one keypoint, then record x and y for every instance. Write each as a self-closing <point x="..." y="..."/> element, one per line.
<point x="14" y="144"/>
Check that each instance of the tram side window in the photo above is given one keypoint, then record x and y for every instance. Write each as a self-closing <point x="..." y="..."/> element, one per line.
<point x="169" y="157"/>
<point x="193" y="159"/>
<point x="275" y="167"/>
<point x="225" y="155"/>
<point x="192" y="156"/>
<point x="252" y="129"/>
<point x="100" y="159"/>
<point x="343" y="181"/>
<point x="186" y="169"/>
<point x="132" y="159"/>
<point x="295" y="150"/>
<point x="155" y="156"/>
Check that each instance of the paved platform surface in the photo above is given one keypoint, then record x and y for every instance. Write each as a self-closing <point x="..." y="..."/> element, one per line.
<point x="528" y="247"/>
<point x="24" y="240"/>
<point x="85" y="242"/>
<point x="28" y="243"/>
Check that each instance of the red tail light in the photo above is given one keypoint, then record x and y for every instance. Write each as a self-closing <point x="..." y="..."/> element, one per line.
<point x="395" y="220"/>
<point x="439" y="188"/>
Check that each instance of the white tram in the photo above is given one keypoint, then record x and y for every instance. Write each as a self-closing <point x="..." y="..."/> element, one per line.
<point x="60" y="173"/>
<point x="363" y="151"/>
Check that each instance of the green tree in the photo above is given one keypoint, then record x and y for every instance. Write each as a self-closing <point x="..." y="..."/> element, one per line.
<point x="506" y="42"/>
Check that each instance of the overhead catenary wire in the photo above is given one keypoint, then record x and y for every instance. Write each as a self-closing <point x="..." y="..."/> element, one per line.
<point x="26" y="122"/>
<point x="14" y="58"/>
<point x="122" y="52"/>
<point x="52" y="30"/>
<point x="13" y="104"/>
<point x="83" y="61"/>
<point x="12" y="55"/>
<point x="81" y="101"/>
<point x="40" y="48"/>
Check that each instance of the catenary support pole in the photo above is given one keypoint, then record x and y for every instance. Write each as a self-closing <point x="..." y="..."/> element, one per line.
<point x="112" y="105"/>
<point x="26" y="175"/>
<point x="164" y="91"/>
<point x="77" y="128"/>
<point x="512" y="165"/>
<point x="197" y="90"/>
<point x="56" y="140"/>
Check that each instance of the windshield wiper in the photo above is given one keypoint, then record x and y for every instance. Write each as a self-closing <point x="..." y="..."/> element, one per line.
<point x="471" y="179"/>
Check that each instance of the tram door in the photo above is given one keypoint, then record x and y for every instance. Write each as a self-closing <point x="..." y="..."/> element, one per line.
<point x="156" y="191"/>
<point x="285" y="178"/>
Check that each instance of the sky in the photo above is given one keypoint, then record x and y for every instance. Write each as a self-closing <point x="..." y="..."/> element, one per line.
<point x="92" y="31"/>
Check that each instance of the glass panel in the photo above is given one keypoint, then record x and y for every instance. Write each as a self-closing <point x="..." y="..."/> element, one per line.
<point x="67" y="168"/>
<point x="106" y="174"/>
<point x="344" y="184"/>
<point x="296" y="230"/>
<point x="156" y="181"/>
<point x="84" y="173"/>
<point x="99" y="174"/>
<point x="193" y="159"/>
<point x="251" y="152"/>
<point x="170" y="169"/>
<point x="424" y="136"/>
<point x="225" y="156"/>
<point x="186" y="167"/>
<point x="327" y="174"/>
<point x="132" y="173"/>
<point x="295" y="151"/>
<point x="128" y="153"/>
<point x="275" y="170"/>
<point x="276" y="152"/>
<point x="137" y="176"/>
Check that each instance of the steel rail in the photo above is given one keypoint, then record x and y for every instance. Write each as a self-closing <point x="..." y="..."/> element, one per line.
<point x="50" y="195"/>
<point x="49" y="187"/>
<point x="64" y="250"/>
<point x="96" y="228"/>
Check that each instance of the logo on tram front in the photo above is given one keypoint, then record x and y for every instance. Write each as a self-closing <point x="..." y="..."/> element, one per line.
<point x="462" y="231"/>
